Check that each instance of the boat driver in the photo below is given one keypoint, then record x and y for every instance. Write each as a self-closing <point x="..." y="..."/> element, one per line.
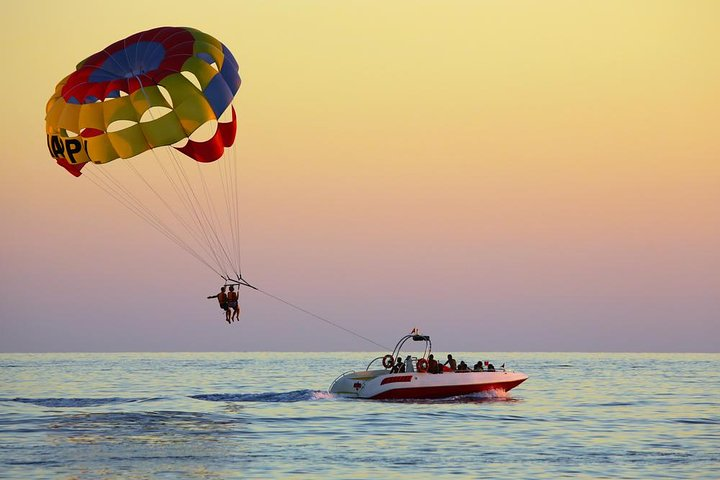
<point x="399" y="366"/>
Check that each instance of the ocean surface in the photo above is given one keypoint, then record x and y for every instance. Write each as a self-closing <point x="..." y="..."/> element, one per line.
<point x="268" y="415"/>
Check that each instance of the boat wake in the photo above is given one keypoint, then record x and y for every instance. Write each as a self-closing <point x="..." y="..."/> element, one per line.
<point x="267" y="397"/>
<point x="76" y="402"/>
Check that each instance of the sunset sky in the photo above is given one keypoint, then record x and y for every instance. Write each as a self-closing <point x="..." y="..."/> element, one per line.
<point x="505" y="175"/>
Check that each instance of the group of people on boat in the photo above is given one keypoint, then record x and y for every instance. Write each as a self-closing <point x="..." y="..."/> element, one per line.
<point x="433" y="366"/>
<point x="452" y="366"/>
<point x="228" y="303"/>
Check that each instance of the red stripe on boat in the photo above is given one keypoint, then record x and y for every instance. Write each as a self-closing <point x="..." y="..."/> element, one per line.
<point x="404" y="378"/>
<point x="445" y="390"/>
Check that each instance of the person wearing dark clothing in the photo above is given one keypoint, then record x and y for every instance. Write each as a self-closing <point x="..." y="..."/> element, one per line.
<point x="399" y="367"/>
<point x="463" y="366"/>
<point x="478" y="366"/>
<point x="490" y="367"/>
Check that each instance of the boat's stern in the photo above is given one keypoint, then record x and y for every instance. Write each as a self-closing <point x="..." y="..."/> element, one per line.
<point x="351" y="384"/>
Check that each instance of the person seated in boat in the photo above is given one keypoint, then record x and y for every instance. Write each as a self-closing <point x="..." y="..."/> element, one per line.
<point x="409" y="364"/>
<point x="432" y="364"/>
<point x="223" y="301"/>
<point x="399" y="366"/>
<point x="478" y="366"/>
<point x="451" y="362"/>
<point x="490" y="367"/>
<point x="463" y="367"/>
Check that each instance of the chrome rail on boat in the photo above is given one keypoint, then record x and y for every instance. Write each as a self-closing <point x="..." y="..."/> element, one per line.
<point x="339" y="377"/>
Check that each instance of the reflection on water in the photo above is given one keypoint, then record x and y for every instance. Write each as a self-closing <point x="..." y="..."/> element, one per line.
<point x="241" y="416"/>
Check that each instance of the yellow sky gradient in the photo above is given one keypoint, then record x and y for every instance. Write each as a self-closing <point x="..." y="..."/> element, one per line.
<point x="560" y="155"/>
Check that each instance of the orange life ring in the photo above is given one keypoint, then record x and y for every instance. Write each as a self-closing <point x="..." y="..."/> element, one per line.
<point x="422" y="365"/>
<point x="388" y="361"/>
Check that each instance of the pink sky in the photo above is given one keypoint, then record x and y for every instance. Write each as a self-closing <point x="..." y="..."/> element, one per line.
<point x="525" y="176"/>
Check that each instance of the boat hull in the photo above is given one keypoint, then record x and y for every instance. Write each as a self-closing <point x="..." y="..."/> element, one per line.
<point x="379" y="384"/>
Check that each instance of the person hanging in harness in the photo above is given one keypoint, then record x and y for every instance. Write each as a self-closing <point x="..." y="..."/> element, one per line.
<point x="223" y="301"/>
<point x="232" y="303"/>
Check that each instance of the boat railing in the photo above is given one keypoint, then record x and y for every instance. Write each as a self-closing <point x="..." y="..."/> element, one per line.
<point x="339" y="377"/>
<point x="372" y="361"/>
<point x="479" y="371"/>
<point x="416" y="337"/>
<point x="414" y="369"/>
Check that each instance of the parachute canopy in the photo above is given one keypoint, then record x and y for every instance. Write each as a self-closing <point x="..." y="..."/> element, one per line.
<point x="130" y="107"/>
<point x="152" y="89"/>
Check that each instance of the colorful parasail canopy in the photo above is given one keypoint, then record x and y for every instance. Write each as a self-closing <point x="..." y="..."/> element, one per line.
<point x="167" y="87"/>
<point x="152" y="89"/>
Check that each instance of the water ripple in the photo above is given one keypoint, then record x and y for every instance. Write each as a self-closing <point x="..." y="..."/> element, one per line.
<point x="199" y="416"/>
<point x="75" y="402"/>
<point x="294" y="396"/>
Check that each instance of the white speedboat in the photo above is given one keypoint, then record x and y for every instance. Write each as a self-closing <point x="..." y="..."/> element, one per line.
<point x="416" y="380"/>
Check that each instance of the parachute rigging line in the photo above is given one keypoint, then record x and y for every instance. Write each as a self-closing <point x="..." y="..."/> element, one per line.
<point x="209" y="220"/>
<point x="177" y="216"/>
<point x="147" y="216"/>
<point x="215" y="218"/>
<point x="183" y="193"/>
<point x="207" y="226"/>
<point x="230" y="185"/>
<point x="178" y="165"/>
<point x="189" y="207"/>
<point x="315" y="315"/>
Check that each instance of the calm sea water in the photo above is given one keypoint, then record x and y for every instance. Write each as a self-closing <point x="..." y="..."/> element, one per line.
<point x="262" y="415"/>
